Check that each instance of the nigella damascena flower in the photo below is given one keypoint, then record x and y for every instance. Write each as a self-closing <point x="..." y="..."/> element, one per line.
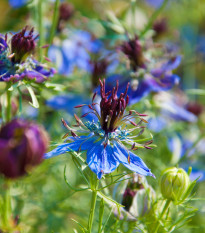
<point x="16" y="61"/>
<point x="148" y="72"/>
<point x="105" y="139"/>
<point x="22" y="145"/>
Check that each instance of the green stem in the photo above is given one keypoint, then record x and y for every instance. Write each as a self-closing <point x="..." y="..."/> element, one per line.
<point x="166" y="206"/>
<point x="55" y="21"/>
<point x="8" y="107"/>
<point x="6" y="207"/>
<point x="101" y="212"/>
<point x="94" y="188"/>
<point x="40" y="28"/>
<point x="153" y="18"/>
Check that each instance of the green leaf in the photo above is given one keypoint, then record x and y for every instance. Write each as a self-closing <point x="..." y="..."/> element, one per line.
<point x="81" y="226"/>
<point x="70" y="186"/>
<point x="34" y="103"/>
<point x="109" y="200"/>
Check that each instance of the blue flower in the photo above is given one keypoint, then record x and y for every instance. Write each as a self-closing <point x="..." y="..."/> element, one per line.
<point x="147" y="74"/>
<point x="104" y="142"/>
<point x="17" y="3"/>
<point x="16" y="62"/>
<point x="74" y="52"/>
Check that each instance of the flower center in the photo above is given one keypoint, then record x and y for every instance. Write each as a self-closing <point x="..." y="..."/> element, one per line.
<point x="22" y="45"/>
<point x="112" y="107"/>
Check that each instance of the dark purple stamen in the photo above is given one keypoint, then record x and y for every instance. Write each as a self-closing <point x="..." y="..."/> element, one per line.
<point x="112" y="108"/>
<point x="23" y="44"/>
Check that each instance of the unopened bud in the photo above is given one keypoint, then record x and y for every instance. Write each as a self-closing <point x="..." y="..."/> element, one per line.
<point x="174" y="183"/>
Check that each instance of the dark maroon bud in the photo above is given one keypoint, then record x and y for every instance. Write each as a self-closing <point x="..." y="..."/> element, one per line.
<point x="128" y="198"/>
<point x="66" y="11"/>
<point x="160" y="27"/>
<point x="194" y="108"/>
<point x="133" y="50"/>
<point x="22" y="146"/>
<point x="22" y="45"/>
<point x="99" y="71"/>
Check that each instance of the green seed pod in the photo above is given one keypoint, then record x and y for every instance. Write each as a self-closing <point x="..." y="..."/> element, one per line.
<point x="174" y="183"/>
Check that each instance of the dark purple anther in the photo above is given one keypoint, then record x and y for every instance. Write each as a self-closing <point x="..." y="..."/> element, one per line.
<point x="112" y="107"/>
<point x="22" y="45"/>
<point x="22" y="145"/>
<point x="133" y="50"/>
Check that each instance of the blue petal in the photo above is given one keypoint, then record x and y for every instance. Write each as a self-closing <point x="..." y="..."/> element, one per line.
<point x="178" y="112"/>
<point x="82" y="143"/>
<point x="143" y="90"/>
<point x="101" y="160"/>
<point x="136" y="164"/>
<point x="172" y="64"/>
<point x="162" y="84"/>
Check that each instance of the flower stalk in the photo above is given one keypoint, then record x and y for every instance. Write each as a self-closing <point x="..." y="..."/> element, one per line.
<point x="40" y="29"/>
<point x="94" y="187"/>
<point x="166" y="206"/>
<point x="6" y="206"/>
<point x="8" y="106"/>
<point x="55" y="21"/>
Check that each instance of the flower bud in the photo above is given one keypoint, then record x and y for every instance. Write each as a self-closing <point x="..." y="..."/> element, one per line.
<point x="22" y="145"/>
<point x="136" y="197"/>
<point x="133" y="50"/>
<point x="174" y="183"/>
<point x="22" y="45"/>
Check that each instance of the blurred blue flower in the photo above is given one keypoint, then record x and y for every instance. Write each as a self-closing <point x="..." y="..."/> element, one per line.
<point x="17" y="3"/>
<point x="182" y="146"/>
<point x="16" y="62"/>
<point x="105" y="138"/>
<point x="159" y="79"/>
<point x="74" y="52"/>
<point x="155" y="3"/>
<point x="157" y="124"/>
